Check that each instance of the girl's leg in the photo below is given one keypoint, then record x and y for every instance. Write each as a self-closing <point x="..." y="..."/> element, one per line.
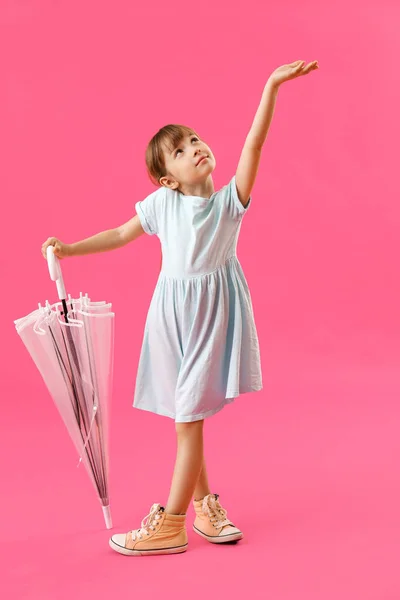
<point x="189" y="458"/>
<point x="202" y="486"/>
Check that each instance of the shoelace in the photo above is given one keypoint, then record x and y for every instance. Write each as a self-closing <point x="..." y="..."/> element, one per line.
<point x="212" y="508"/>
<point x="147" y="523"/>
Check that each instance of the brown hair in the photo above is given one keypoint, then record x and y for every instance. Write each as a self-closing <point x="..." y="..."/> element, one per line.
<point x="168" y="136"/>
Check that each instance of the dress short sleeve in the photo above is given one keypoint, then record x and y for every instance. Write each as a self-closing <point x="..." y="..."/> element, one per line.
<point x="235" y="207"/>
<point x="148" y="211"/>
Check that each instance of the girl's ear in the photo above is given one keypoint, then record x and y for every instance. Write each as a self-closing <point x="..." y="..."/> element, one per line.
<point x="169" y="183"/>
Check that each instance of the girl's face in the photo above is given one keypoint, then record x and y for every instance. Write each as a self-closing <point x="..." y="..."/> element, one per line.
<point x="185" y="165"/>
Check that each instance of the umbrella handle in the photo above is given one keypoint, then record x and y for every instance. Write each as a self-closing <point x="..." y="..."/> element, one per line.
<point x="55" y="272"/>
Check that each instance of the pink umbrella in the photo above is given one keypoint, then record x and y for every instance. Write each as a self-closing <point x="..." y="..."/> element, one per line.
<point x="71" y="343"/>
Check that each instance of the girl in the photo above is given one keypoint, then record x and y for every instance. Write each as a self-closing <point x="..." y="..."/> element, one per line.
<point x="200" y="348"/>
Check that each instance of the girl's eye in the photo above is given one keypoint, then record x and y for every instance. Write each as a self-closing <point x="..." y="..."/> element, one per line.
<point x="179" y="149"/>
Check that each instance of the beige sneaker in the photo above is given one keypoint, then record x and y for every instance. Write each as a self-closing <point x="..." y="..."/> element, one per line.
<point x="160" y="533"/>
<point x="211" y="521"/>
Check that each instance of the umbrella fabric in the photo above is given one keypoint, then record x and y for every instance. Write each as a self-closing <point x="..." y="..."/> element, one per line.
<point x="75" y="360"/>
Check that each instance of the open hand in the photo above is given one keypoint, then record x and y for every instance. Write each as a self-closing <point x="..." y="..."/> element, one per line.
<point x="291" y="71"/>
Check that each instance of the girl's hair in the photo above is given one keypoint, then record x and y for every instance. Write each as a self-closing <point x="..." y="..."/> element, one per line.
<point x="168" y="137"/>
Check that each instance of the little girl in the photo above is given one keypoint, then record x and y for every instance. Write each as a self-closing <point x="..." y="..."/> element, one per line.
<point x="200" y="348"/>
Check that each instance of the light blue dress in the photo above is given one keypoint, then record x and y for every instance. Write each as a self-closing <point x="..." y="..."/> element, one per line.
<point x="200" y="347"/>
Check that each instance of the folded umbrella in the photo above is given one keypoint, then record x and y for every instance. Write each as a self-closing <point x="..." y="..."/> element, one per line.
<point x="72" y="345"/>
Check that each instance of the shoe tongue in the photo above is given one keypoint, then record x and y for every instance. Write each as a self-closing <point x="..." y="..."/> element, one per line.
<point x="155" y="509"/>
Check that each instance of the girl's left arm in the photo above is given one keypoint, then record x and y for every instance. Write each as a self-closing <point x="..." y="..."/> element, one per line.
<point x="251" y="154"/>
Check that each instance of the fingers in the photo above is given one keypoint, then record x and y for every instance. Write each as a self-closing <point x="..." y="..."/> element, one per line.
<point x="58" y="252"/>
<point x="298" y="65"/>
<point x="49" y="242"/>
<point x="44" y="248"/>
<point x="311" y="66"/>
<point x="300" y="69"/>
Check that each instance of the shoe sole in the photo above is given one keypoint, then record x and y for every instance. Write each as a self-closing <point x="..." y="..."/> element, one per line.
<point x="128" y="552"/>
<point x="219" y="539"/>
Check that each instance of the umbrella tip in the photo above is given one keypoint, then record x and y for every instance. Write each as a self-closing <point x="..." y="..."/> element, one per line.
<point x="107" y="516"/>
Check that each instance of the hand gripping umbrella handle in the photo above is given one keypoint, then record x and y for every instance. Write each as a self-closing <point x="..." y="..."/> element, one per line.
<point x="55" y="272"/>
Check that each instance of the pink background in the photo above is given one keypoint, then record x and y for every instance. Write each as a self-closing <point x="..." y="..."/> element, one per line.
<point x="309" y="467"/>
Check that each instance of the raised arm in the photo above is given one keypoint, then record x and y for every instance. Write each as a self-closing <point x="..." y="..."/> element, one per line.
<point x="249" y="161"/>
